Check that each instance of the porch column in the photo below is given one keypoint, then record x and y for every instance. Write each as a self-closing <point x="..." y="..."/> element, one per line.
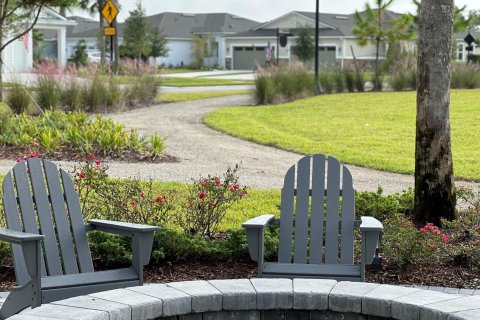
<point x="62" y="47"/>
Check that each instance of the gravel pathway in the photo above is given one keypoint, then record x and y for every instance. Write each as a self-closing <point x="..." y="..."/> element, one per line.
<point x="202" y="150"/>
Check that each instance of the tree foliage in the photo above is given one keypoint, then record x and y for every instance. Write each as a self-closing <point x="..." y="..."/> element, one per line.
<point x="80" y="57"/>
<point x="199" y="51"/>
<point x="141" y="39"/>
<point x="372" y="27"/>
<point x="304" y="47"/>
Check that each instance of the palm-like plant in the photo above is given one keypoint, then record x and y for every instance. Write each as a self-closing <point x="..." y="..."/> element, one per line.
<point x="372" y="27"/>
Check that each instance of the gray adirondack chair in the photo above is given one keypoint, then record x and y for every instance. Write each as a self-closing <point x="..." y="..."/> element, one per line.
<point x="323" y="242"/>
<point x="49" y="240"/>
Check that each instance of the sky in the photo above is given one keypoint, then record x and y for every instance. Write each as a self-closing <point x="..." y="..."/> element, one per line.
<point x="265" y="10"/>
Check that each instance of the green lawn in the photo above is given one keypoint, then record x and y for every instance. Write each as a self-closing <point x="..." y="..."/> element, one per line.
<point x="194" y="82"/>
<point x="190" y="96"/>
<point x="375" y="130"/>
<point x="179" y="70"/>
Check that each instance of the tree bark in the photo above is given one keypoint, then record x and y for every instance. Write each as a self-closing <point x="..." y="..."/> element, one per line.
<point x="434" y="185"/>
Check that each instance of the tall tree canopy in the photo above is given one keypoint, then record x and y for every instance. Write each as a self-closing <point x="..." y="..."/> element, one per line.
<point x="434" y="184"/>
<point x="372" y="27"/>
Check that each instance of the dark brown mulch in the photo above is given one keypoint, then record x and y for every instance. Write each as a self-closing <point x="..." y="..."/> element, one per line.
<point x="69" y="153"/>
<point x="419" y="274"/>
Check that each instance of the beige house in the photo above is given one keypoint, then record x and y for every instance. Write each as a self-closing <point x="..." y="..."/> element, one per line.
<point x="337" y="44"/>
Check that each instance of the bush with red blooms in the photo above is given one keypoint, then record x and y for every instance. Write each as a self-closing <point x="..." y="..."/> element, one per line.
<point x="208" y="200"/>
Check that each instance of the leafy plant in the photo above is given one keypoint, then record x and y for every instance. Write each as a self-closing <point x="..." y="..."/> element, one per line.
<point x="207" y="202"/>
<point x="18" y="98"/>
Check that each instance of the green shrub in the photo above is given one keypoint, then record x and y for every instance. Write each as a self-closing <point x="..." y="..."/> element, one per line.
<point x="412" y="79"/>
<point x="18" y="98"/>
<point x="48" y="91"/>
<point x="142" y="92"/>
<point x="264" y="90"/>
<point x="4" y="110"/>
<point x="339" y="80"/>
<point x="327" y="82"/>
<point x="94" y="95"/>
<point x="381" y="206"/>
<point x="465" y="76"/>
<point x="71" y="95"/>
<point x="399" y="81"/>
<point x="114" y="98"/>
<point x="349" y="80"/>
<point x="359" y="82"/>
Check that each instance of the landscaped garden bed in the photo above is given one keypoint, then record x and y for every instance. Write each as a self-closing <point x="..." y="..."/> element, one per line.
<point x="201" y="237"/>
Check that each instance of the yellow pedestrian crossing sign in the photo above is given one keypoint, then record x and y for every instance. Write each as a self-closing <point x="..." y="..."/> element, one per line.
<point x="109" y="11"/>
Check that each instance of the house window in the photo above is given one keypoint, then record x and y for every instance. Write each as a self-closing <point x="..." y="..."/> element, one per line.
<point x="460" y="52"/>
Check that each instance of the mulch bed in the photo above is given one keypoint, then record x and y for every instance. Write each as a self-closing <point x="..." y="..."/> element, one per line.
<point x="419" y="274"/>
<point x="69" y="153"/>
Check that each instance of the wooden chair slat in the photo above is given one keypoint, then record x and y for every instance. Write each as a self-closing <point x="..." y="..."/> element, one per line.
<point x="286" y="223"/>
<point x="348" y="218"/>
<point x="25" y="198"/>
<point x="318" y="214"/>
<point x="333" y="202"/>
<point x="301" y="211"/>
<point x="60" y="212"/>
<point x="10" y="206"/>
<point x="76" y="220"/>
<point x="44" y="214"/>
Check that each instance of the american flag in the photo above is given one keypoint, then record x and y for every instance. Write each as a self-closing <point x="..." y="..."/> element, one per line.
<point x="26" y="41"/>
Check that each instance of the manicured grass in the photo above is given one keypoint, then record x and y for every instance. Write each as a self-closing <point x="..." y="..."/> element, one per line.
<point x="180" y="70"/>
<point x="194" y="82"/>
<point x="190" y="96"/>
<point x="375" y="130"/>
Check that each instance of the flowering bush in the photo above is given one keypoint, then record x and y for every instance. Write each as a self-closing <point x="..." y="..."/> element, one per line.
<point x="207" y="202"/>
<point x="129" y="200"/>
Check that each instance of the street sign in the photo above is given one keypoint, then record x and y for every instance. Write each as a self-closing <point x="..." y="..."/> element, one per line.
<point x="110" y="31"/>
<point x="469" y="48"/>
<point x="109" y="12"/>
<point x="469" y="39"/>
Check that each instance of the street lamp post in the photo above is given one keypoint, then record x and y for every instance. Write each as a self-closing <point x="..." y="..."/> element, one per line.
<point x="318" y="86"/>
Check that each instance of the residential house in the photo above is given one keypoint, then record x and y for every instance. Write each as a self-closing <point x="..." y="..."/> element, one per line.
<point x="18" y="56"/>
<point x="461" y="51"/>
<point x="179" y="29"/>
<point x="337" y="43"/>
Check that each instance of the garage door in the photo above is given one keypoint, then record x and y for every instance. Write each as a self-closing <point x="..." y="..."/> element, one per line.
<point x="247" y="58"/>
<point x="326" y="58"/>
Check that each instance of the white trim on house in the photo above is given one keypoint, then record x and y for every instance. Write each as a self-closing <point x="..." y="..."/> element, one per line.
<point x="264" y="25"/>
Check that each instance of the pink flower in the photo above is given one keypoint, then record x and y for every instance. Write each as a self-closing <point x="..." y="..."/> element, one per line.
<point x="90" y="156"/>
<point x="243" y="194"/>
<point x="133" y="203"/>
<point x="19" y="159"/>
<point x="212" y="203"/>
<point x="202" y="195"/>
<point x="98" y="162"/>
<point x="218" y="182"/>
<point x="32" y="155"/>
<point x="203" y="183"/>
<point x="160" y="200"/>
<point x="142" y="195"/>
<point x="82" y="175"/>
<point x="444" y="238"/>
<point x="234" y="187"/>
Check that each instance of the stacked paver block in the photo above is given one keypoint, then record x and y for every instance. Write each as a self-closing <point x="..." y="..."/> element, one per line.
<point x="263" y="299"/>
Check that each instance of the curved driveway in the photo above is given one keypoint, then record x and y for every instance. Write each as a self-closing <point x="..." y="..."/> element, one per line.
<point x="202" y="150"/>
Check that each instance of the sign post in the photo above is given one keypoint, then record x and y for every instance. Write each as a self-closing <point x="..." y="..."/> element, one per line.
<point x="109" y="13"/>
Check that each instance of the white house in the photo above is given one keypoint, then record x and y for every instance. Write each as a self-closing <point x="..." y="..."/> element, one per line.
<point x="18" y="56"/>
<point x="179" y="29"/>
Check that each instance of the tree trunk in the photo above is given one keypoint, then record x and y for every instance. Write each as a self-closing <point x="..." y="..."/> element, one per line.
<point x="434" y="185"/>
<point x="1" y="61"/>
<point x="376" y="84"/>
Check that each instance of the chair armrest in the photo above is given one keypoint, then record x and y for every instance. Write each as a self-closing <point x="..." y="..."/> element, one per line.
<point x="371" y="229"/>
<point x="370" y="224"/>
<point x="255" y="229"/>
<point x="121" y="228"/>
<point x="18" y="237"/>
<point x="258" y="222"/>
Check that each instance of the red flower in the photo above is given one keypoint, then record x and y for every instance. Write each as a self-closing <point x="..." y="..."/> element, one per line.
<point x="160" y="200"/>
<point x="132" y="203"/>
<point x="142" y="195"/>
<point x="82" y="175"/>
<point x="234" y="187"/>
<point x="98" y="162"/>
<point x="32" y="155"/>
<point x="212" y="203"/>
<point x="90" y="156"/>
<point x="218" y="182"/>
<point x="444" y="238"/>
<point x="203" y="183"/>
<point x="19" y="159"/>
<point x="202" y="195"/>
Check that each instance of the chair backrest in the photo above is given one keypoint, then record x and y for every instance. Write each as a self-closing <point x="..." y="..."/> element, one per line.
<point x="39" y="198"/>
<point x="317" y="236"/>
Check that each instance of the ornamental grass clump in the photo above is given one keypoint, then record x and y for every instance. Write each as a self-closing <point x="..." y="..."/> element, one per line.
<point x="18" y="98"/>
<point x="207" y="202"/>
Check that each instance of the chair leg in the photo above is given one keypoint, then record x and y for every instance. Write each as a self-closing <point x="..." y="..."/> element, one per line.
<point x="19" y="298"/>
